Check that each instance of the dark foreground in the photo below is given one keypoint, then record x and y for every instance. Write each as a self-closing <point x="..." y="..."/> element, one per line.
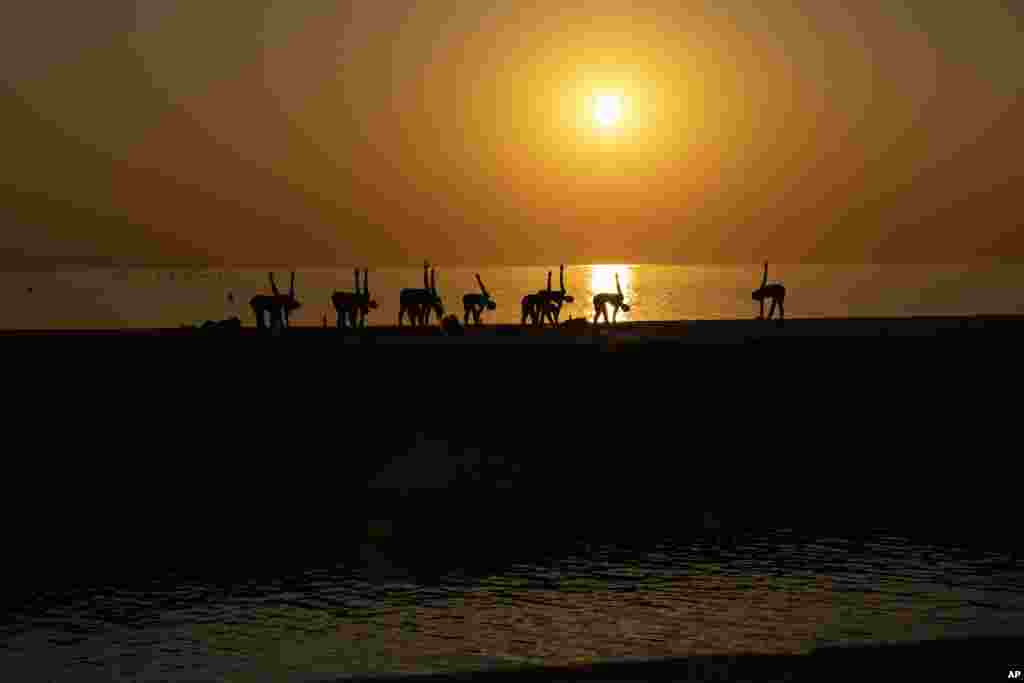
<point x="693" y="331"/>
<point x="986" y="659"/>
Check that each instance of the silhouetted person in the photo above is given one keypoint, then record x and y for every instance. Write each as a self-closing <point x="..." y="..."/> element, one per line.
<point x="28" y="291"/>
<point x="231" y="298"/>
<point x="554" y="299"/>
<point x="366" y="303"/>
<point x="277" y="306"/>
<point x="546" y="302"/>
<point x="616" y="301"/>
<point x="575" y="324"/>
<point x="475" y="304"/>
<point x="418" y="303"/>
<point x="287" y="303"/>
<point x="228" y="325"/>
<point x="409" y="298"/>
<point x="346" y="305"/>
<point x="775" y="291"/>
<point x="533" y="305"/>
<point x="436" y="301"/>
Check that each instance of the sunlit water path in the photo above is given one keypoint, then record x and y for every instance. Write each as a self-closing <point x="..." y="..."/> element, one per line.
<point x="168" y="298"/>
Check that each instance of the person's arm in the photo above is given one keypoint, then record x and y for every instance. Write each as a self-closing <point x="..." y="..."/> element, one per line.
<point x="273" y="285"/>
<point x="764" y="280"/>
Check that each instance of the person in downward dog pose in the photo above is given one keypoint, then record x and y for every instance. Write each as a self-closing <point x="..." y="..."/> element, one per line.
<point x="774" y="291"/>
<point x="616" y="301"/>
<point x="475" y="304"/>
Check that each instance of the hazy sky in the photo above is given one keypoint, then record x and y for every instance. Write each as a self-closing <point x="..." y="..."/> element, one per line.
<point x="315" y="132"/>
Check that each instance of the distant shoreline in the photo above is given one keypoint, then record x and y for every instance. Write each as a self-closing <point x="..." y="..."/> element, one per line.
<point x="682" y="331"/>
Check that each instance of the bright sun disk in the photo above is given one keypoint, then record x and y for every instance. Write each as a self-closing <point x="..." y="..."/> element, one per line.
<point x="607" y="110"/>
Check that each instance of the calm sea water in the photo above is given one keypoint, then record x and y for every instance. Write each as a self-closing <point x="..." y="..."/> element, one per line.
<point x="777" y="592"/>
<point x="167" y="298"/>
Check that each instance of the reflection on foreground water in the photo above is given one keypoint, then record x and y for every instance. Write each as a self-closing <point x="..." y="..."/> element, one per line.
<point x="375" y="612"/>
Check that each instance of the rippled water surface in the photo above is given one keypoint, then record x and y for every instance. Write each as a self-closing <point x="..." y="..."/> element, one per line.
<point x="167" y="298"/>
<point x="777" y="592"/>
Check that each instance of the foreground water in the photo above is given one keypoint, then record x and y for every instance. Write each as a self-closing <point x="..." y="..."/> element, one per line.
<point x="92" y="299"/>
<point x="771" y="592"/>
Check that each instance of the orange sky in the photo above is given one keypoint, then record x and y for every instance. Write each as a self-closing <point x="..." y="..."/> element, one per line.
<point x="321" y="132"/>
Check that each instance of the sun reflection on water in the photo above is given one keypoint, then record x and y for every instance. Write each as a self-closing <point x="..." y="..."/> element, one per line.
<point x="602" y="280"/>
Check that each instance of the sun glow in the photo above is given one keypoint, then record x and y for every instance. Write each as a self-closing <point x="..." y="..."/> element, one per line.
<point x="605" y="124"/>
<point x="608" y="110"/>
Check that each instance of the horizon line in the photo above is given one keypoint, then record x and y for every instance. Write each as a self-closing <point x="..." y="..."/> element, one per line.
<point x="69" y="266"/>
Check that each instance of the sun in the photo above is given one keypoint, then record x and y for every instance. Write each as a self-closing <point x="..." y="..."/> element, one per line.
<point x="608" y="110"/>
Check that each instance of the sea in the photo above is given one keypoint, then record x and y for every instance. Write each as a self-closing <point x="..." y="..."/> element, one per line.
<point x="378" y="610"/>
<point x="160" y="298"/>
